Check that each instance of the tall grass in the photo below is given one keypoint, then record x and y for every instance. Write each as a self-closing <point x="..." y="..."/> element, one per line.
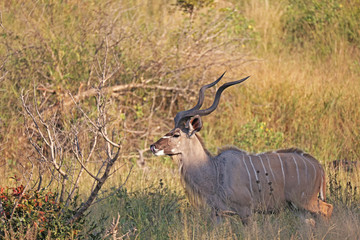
<point x="304" y="62"/>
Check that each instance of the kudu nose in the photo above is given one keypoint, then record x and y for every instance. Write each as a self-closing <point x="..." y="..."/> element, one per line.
<point x="152" y="148"/>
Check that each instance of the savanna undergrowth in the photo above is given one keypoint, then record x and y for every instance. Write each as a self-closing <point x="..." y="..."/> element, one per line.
<point x="148" y="59"/>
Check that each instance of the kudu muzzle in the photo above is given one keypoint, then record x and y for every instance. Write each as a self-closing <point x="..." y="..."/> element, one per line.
<point x="161" y="146"/>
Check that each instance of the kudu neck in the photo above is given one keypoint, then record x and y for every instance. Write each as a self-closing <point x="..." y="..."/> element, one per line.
<point x="196" y="154"/>
<point x="197" y="169"/>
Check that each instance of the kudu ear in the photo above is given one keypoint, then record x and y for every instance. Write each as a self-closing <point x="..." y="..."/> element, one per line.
<point x="194" y="124"/>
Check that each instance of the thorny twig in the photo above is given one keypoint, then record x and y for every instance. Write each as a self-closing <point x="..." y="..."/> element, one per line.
<point x="50" y="143"/>
<point x="114" y="228"/>
<point x="48" y="134"/>
<point x="95" y="125"/>
<point x="22" y="193"/>
<point x="114" y="192"/>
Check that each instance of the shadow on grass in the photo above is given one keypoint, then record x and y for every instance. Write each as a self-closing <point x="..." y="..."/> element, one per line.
<point x="144" y="214"/>
<point x="158" y="212"/>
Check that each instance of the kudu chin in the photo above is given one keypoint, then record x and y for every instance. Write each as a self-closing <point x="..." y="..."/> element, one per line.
<point x="235" y="181"/>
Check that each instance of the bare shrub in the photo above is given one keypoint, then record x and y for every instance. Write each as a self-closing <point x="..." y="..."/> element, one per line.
<point x="71" y="153"/>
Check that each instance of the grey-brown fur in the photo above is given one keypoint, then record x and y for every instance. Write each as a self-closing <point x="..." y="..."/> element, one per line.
<point x="235" y="181"/>
<point x="238" y="182"/>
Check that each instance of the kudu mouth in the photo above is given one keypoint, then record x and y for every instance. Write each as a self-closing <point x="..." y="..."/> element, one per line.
<point x="159" y="152"/>
<point x="153" y="149"/>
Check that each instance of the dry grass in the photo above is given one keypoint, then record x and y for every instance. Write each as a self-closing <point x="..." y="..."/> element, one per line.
<point x="307" y="97"/>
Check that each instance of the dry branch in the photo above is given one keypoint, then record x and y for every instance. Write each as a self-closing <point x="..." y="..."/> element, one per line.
<point x="114" y="228"/>
<point x="68" y="101"/>
<point x="45" y="137"/>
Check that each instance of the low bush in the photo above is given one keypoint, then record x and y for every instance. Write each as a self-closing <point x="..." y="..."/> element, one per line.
<point x="256" y="136"/>
<point x="322" y="23"/>
<point x="36" y="214"/>
<point x="148" y="213"/>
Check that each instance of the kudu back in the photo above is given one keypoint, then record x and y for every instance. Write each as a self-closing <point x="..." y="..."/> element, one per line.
<point x="235" y="181"/>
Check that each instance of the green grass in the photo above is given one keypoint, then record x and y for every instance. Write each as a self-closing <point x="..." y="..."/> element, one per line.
<point x="304" y="62"/>
<point x="158" y="211"/>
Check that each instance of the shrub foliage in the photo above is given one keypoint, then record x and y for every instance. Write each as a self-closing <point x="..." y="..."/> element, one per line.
<point x="35" y="214"/>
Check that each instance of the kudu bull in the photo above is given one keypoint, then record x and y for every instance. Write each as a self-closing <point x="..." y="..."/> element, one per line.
<point x="235" y="181"/>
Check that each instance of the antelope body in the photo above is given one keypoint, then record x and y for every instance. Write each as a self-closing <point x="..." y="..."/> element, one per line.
<point x="235" y="181"/>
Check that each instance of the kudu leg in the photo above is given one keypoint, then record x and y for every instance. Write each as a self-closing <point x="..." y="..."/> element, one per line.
<point x="318" y="206"/>
<point x="245" y="214"/>
<point x="215" y="216"/>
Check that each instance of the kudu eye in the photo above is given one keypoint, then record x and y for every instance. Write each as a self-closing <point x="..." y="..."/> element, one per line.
<point x="176" y="135"/>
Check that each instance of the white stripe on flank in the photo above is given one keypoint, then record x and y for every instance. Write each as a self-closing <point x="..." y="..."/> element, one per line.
<point x="272" y="173"/>
<point x="306" y="172"/>
<point x="257" y="179"/>
<point x="297" y="170"/>
<point x="321" y="188"/>
<point x="252" y="193"/>
<point x="266" y="173"/>
<point x="282" y="167"/>
<point x="302" y="156"/>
